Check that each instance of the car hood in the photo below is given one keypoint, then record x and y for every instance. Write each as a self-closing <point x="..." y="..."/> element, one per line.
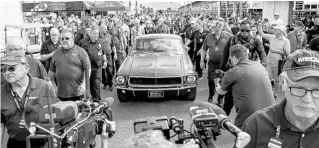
<point x="156" y="65"/>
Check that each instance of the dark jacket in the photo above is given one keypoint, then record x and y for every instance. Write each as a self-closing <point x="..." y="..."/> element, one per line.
<point x="252" y="43"/>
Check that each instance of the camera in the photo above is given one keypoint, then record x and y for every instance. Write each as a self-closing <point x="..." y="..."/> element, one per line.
<point x="153" y="123"/>
<point x="203" y="117"/>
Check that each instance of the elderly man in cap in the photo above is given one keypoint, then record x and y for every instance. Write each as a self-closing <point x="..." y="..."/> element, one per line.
<point x="297" y="38"/>
<point x="293" y="122"/>
<point x="277" y="20"/>
<point x="312" y="33"/>
<point x="213" y="45"/>
<point x="279" y="49"/>
<point x="17" y="45"/>
<point x="18" y="94"/>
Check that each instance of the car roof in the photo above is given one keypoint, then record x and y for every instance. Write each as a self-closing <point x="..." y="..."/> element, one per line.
<point x="168" y="36"/>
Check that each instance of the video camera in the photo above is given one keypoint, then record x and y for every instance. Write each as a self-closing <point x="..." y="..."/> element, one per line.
<point x="205" y="121"/>
<point x="70" y="124"/>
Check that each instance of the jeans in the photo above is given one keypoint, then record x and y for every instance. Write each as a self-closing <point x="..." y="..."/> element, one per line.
<point x="95" y="82"/>
<point x="107" y="73"/>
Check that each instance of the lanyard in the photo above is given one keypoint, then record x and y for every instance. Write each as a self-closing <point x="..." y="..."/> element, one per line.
<point x="16" y="100"/>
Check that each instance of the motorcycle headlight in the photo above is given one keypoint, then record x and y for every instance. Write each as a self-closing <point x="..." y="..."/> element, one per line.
<point x="120" y="80"/>
<point x="191" y="79"/>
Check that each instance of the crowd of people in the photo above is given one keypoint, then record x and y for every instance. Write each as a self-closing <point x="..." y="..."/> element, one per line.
<point x="271" y="71"/>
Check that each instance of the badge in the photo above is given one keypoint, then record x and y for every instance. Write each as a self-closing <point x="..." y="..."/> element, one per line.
<point x="22" y="122"/>
<point x="200" y="40"/>
<point x="275" y="142"/>
<point x="99" y="53"/>
<point x="251" y="41"/>
<point x="100" y="46"/>
<point x="216" y="48"/>
<point x="47" y="34"/>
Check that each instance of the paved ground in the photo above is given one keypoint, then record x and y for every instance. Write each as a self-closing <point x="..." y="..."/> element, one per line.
<point x="126" y="113"/>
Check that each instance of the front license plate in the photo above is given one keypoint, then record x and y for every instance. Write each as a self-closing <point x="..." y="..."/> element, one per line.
<point x="155" y="94"/>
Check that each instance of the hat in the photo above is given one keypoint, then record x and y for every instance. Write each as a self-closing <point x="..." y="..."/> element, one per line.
<point x="280" y="27"/>
<point x="13" y="59"/>
<point x="192" y="21"/>
<point x="302" y="64"/>
<point x="298" y="24"/>
<point x="276" y="13"/>
<point x="314" y="44"/>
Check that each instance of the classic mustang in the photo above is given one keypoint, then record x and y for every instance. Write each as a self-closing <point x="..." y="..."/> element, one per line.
<point x="156" y="67"/>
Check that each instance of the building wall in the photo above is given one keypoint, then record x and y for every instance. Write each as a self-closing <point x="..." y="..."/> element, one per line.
<point x="284" y="8"/>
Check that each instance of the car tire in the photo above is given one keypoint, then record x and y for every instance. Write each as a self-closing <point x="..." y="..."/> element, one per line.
<point x="191" y="96"/>
<point x="123" y="97"/>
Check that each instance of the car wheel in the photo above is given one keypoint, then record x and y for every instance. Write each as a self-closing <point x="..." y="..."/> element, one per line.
<point x="191" y="96"/>
<point x="123" y="97"/>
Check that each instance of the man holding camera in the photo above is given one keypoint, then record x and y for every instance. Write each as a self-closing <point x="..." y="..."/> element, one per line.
<point x="248" y="82"/>
<point x="293" y="122"/>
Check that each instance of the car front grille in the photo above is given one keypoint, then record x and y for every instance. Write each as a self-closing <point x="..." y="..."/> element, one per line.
<point x="156" y="81"/>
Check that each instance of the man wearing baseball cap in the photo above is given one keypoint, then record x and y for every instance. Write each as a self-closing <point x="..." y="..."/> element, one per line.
<point x="293" y="122"/>
<point x="297" y="38"/>
<point x="314" y="32"/>
<point x="18" y="96"/>
<point x="277" y="20"/>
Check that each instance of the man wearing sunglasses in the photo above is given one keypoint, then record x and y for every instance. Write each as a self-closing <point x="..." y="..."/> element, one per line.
<point x="251" y="43"/>
<point x="72" y="68"/>
<point x="293" y="122"/>
<point x="17" y="45"/>
<point x="18" y="96"/>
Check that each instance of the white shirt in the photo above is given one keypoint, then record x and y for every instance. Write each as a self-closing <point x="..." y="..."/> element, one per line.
<point x="278" y="22"/>
<point x="126" y="29"/>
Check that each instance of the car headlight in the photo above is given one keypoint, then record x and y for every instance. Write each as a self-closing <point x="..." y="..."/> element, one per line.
<point x="191" y="79"/>
<point x="120" y="80"/>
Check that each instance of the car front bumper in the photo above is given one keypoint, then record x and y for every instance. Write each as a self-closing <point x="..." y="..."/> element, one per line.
<point x="168" y="92"/>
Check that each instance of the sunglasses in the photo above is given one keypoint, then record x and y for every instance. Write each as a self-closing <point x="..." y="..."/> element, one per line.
<point x="244" y="30"/>
<point x="5" y="69"/>
<point x="66" y="38"/>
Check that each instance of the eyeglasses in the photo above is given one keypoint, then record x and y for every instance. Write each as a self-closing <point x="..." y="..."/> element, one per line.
<point x="301" y="92"/>
<point x="244" y="30"/>
<point x="66" y="38"/>
<point x="5" y="69"/>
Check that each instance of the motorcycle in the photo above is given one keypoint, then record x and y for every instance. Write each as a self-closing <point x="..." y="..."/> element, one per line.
<point x="70" y="124"/>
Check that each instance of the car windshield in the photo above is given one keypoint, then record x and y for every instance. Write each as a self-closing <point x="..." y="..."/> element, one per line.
<point x="156" y="45"/>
